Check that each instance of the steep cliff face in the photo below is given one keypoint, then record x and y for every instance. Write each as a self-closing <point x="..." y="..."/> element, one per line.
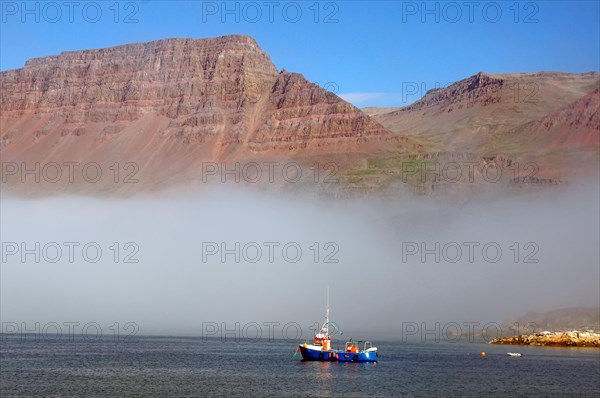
<point x="164" y="109"/>
<point x="174" y="76"/>
<point x="301" y="115"/>
<point x="480" y="89"/>
<point x="172" y="104"/>
<point x="199" y="88"/>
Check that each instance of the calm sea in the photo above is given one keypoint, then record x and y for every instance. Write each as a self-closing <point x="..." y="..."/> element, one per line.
<point x="191" y="367"/>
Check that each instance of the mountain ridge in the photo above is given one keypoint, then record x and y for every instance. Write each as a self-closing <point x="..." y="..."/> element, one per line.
<point x="186" y="101"/>
<point x="172" y="105"/>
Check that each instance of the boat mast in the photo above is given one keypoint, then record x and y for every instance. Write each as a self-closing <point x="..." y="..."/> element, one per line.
<point x="327" y="314"/>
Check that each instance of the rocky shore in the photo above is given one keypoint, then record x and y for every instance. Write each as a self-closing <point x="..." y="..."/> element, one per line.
<point x="572" y="338"/>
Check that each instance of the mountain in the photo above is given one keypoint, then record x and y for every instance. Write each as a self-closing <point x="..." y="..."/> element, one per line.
<point x="170" y="106"/>
<point x="548" y="118"/>
<point x="161" y="111"/>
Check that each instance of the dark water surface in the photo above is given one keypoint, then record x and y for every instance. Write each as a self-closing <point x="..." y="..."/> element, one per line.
<point x="191" y="367"/>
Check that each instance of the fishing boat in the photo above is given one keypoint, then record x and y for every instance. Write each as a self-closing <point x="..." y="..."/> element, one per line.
<point x="353" y="352"/>
<point x="321" y="349"/>
<point x="514" y="354"/>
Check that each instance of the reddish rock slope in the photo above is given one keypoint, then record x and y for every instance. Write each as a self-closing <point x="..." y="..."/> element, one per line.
<point x="170" y="105"/>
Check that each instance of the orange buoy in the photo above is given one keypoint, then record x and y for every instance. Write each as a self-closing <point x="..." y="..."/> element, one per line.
<point x="482" y="353"/>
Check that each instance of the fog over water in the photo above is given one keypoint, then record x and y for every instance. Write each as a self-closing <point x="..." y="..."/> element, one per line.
<point x="379" y="281"/>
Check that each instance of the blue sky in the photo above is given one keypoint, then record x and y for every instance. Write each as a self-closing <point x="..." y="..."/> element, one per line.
<point x="385" y="53"/>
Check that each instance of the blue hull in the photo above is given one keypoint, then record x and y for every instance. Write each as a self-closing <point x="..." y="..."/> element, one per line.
<point x="357" y="356"/>
<point x="340" y="356"/>
<point x="316" y="355"/>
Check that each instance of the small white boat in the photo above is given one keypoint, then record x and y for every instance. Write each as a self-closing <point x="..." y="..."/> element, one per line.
<point x="515" y="354"/>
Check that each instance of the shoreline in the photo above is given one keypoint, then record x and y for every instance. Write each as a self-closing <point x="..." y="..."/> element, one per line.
<point x="574" y="338"/>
